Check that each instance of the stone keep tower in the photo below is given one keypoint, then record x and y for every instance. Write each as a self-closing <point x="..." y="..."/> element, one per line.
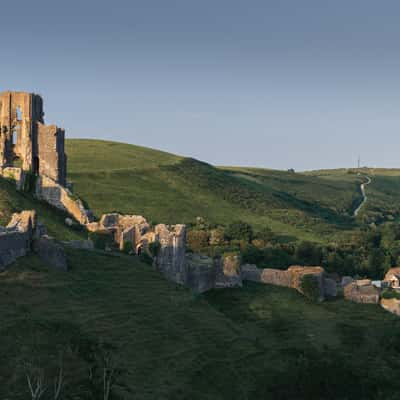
<point x="26" y="142"/>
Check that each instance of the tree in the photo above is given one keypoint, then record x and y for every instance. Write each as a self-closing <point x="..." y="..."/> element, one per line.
<point x="239" y="230"/>
<point x="308" y="253"/>
<point x="265" y="234"/>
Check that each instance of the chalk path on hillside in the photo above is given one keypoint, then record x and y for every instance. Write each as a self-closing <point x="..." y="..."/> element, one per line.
<point x="357" y="210"/>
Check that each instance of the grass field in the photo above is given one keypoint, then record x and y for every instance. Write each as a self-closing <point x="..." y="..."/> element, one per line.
<point x="166" y="188"/>
<point x="250" y="343"/>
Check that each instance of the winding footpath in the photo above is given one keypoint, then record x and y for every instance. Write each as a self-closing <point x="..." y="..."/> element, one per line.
<point x="357" y="210"/>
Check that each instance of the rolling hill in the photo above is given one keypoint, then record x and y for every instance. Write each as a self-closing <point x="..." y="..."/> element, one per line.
<point x="113" y="176"/>
<point x="161" y="340"/>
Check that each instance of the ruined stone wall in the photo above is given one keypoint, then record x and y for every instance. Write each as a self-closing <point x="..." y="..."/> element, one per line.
<point x="228" y="271"/>
<point x="275" y="277"/>
<point x="292" y="277"/>
<point x="361" y="291"/>
<point x="51" y="155"/>
<point x="200" y="273"/>
<point x="391" y="305"/>
<point x="250" y="272"/>
<point x="60" y="197"/>
<point x="16" y="238"/>
<point x="297" y="272"/>
<point x="171" y="257"/>
<point x="24" y="136"/>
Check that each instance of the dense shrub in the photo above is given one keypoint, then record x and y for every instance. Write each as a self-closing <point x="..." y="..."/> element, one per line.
<point x="197" y="240"/>
<point x="308" y="253"/>
<point x="239" y="230"/>
<point x="391" y="294"/>
<point x="265" y="234"/>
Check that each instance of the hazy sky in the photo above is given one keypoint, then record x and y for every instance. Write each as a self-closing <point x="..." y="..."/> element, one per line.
<point x="303" y="84"/>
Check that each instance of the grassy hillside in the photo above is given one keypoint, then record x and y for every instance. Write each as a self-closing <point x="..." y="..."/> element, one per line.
<point x="383" y="193"/>
<point x="12" y="201"/>
<point x="163" y="187"/>
<point x="256" y="342"/>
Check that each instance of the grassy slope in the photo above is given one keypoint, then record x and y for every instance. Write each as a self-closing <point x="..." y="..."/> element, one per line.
<point x="12" y="201"/>
<point x="383" y="193"/>
<point x="256" y="342"/>
<point x="167" y="188"/>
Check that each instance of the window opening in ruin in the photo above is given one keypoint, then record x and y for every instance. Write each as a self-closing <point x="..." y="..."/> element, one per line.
<point x="36" y="165"/>
<point x="15" y="136"/>
<point x="18" y="113"/>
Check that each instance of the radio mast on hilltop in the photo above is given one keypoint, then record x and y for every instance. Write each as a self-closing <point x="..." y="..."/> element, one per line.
<point x="359" y="162"/>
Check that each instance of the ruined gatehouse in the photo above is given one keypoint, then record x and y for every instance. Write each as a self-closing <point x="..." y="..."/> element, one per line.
<point x="26" y="142"/>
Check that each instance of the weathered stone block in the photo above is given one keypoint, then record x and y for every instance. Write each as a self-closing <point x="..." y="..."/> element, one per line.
<point x="250" y="272"/>
<point x="51" y="253"/>
<point x="346" y="280"/>
<point x="228" y="273"/>
<point x="361" y="293"/>
<point x="391" y="305"/>
<point x="200" y="273"/>
<point x="275" y="277"/>
<point x="329" y="287"/>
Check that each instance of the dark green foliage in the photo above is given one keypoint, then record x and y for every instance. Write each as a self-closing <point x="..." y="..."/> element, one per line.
<point x="265" y="234"/>
<point x="308" y="253"/>
<point x="239" y="230"/>
<point x="391" y="294"/>
<point x="197" y="239"/>
<point x="310" y="287"/>
<point x="252" y="255"/>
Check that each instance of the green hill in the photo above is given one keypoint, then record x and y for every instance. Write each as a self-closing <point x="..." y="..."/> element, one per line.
<point x="163" y="187"/>
<point x="164" y="342"/>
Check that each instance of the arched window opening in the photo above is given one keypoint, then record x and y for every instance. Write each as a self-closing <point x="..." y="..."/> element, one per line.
<point x="18" y="113"/>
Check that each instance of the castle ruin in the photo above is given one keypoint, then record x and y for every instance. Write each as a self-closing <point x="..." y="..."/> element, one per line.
<point x="26" y="142"/>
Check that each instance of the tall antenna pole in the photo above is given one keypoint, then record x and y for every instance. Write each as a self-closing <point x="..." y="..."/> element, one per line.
<point x="359" y="162"/>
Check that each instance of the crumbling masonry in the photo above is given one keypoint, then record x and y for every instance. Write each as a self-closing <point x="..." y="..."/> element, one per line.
<point x="28" y="146"/>
<point x="26" y="142"/>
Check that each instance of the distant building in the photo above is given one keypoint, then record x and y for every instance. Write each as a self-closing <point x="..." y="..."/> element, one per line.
<point x="392" y="277"/>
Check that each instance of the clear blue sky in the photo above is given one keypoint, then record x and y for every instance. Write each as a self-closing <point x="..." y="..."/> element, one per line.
<point x="305" y="84"/>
